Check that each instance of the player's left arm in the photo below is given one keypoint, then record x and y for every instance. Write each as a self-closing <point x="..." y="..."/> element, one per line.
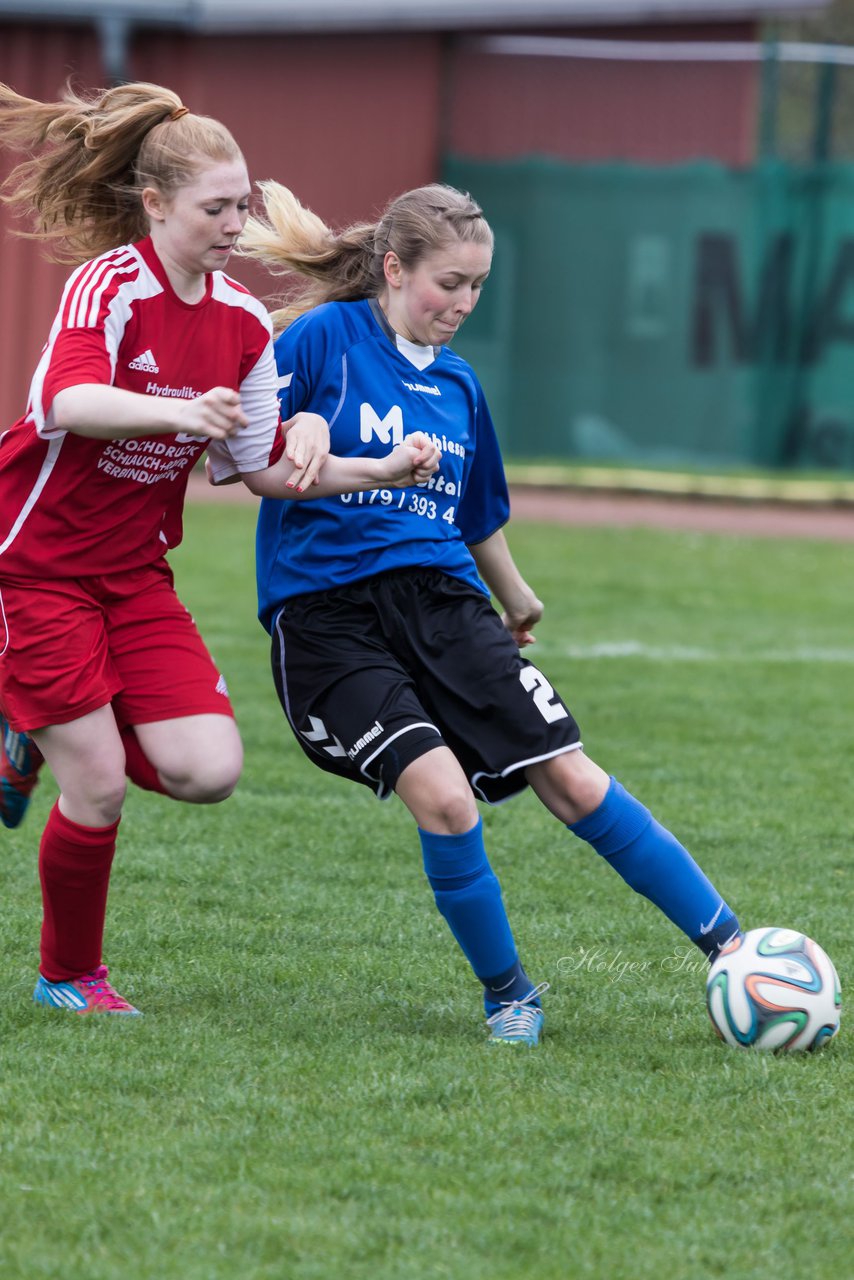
<point x="484" y="509"/>
<point x="409" y="463"/>
<point x="495" y="564"/>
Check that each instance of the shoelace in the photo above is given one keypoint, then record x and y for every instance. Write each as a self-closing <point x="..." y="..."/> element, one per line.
<point x="521" y="1014"/>
<point x="97" y="983"/>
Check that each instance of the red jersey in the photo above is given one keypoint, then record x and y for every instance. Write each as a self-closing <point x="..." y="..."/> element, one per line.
<point x="73" y="506"/>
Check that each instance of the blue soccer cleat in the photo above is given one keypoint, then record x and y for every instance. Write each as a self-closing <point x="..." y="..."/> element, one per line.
<point x="20" y="761"/>
<point x="519" y="1021"/>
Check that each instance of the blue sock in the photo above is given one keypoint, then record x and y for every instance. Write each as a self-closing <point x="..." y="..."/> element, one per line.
<point x="653" y="862"/>
<point x="468" y="895"/>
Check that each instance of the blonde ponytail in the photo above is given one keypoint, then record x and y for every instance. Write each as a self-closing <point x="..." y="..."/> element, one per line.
<point x="291" y="240"/>
<point x="91" y="156"/>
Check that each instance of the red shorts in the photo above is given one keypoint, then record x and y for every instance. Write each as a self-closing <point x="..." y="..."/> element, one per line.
<point x="71" y="645"/>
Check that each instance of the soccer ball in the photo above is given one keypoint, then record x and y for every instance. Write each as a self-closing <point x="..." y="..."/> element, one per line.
<point x="774" y="989"/>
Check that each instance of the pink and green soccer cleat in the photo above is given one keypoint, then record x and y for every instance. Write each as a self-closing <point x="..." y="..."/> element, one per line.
<point x="90" y="993"/>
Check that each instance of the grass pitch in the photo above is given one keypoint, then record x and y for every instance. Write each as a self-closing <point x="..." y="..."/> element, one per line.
<point x="311" y="1096"/>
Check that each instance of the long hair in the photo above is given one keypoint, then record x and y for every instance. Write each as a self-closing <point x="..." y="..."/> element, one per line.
<point x="341" y="267"/>
<point x="90" y="157"/>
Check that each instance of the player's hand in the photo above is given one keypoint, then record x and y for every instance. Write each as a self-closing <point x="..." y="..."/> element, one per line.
<point x="412" y="462"/>
<point x="216" y="415"/>
<point x="520" y="616"/>
<point x="307" y="447"/>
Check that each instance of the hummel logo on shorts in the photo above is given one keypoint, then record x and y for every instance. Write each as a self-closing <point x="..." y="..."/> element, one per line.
<point x="145" y="363"/>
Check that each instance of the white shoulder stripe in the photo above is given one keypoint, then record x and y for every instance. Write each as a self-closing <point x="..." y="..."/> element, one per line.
<point x="79" y="287"/>
<point x="122" y="268"/>
<point x="91" y="319"/>
<point x="88" y="289"/>
<point x="80" y="290"/>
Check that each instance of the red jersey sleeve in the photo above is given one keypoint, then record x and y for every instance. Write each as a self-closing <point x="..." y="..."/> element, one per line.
<point x="86" y="333"/>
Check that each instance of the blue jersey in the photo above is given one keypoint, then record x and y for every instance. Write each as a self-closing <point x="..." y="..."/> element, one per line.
<point x="341" y="360"/>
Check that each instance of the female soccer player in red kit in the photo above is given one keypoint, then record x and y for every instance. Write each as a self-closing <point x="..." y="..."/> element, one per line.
<point x="154" y="356"/>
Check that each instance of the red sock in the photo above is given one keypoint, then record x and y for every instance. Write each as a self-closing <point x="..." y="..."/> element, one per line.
<point x="74" y="868"/>
<point x="138" y="767"/>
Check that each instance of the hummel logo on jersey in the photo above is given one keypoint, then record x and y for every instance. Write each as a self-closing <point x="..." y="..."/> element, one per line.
<point x="420" y="386"/>
<point x="145" y="363"/>
<point x="221" y="687"/>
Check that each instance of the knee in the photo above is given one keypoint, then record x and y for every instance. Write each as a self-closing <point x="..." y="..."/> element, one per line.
<point x="436" y="792"/>
<point x="95" y="800"/>
<point x="570" y="785"/>
<point x="451" y="812"/>
<point x="206" y="781"/>
<point x="587" y="789"/>
<point x="213" y="789"/>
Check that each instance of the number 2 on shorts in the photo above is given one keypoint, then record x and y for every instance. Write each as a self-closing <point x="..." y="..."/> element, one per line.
<point x="533" y="681"/>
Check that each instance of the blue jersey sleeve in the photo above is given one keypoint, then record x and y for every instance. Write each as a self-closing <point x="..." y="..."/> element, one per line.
<point x="301" y="351"/>
<point x="485" y="504"/>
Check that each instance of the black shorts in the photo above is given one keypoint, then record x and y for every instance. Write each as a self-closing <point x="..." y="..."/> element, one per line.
<point x="371" y="676"/>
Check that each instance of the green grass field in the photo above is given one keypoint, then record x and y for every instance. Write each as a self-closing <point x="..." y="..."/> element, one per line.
<point x="311" y="1095"/>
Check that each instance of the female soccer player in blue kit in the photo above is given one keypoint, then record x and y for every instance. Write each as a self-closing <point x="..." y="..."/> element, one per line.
<point x="392" y="667"/>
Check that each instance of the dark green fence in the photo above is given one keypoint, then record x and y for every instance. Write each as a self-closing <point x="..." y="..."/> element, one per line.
<point x="683" y="315"/>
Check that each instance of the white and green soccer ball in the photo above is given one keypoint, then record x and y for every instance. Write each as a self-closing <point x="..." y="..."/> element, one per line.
<point x="774" y="989"/>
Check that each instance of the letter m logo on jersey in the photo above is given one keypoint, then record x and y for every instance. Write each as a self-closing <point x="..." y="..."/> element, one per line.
<point x="389" y="429"/>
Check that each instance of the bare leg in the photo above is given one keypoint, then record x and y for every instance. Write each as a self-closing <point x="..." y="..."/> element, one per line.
<point x="197" y="758"/>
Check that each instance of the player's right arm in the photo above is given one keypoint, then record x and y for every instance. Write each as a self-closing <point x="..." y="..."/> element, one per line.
<point x="73" y="388"/>
<point x="111" y="413"/>
<point x="409" y="463"/>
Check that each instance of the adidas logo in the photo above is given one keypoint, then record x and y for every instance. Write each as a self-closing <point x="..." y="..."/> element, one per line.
<point x="145" y="363"/>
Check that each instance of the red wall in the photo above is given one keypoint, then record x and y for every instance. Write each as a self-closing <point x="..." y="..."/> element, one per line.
<point x="578" y="109"/>
<point x="348" y="121"/>
<point x="34" y="61"/>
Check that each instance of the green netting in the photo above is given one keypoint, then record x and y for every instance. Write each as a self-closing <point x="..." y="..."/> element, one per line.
<point x="692" y="314"/>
